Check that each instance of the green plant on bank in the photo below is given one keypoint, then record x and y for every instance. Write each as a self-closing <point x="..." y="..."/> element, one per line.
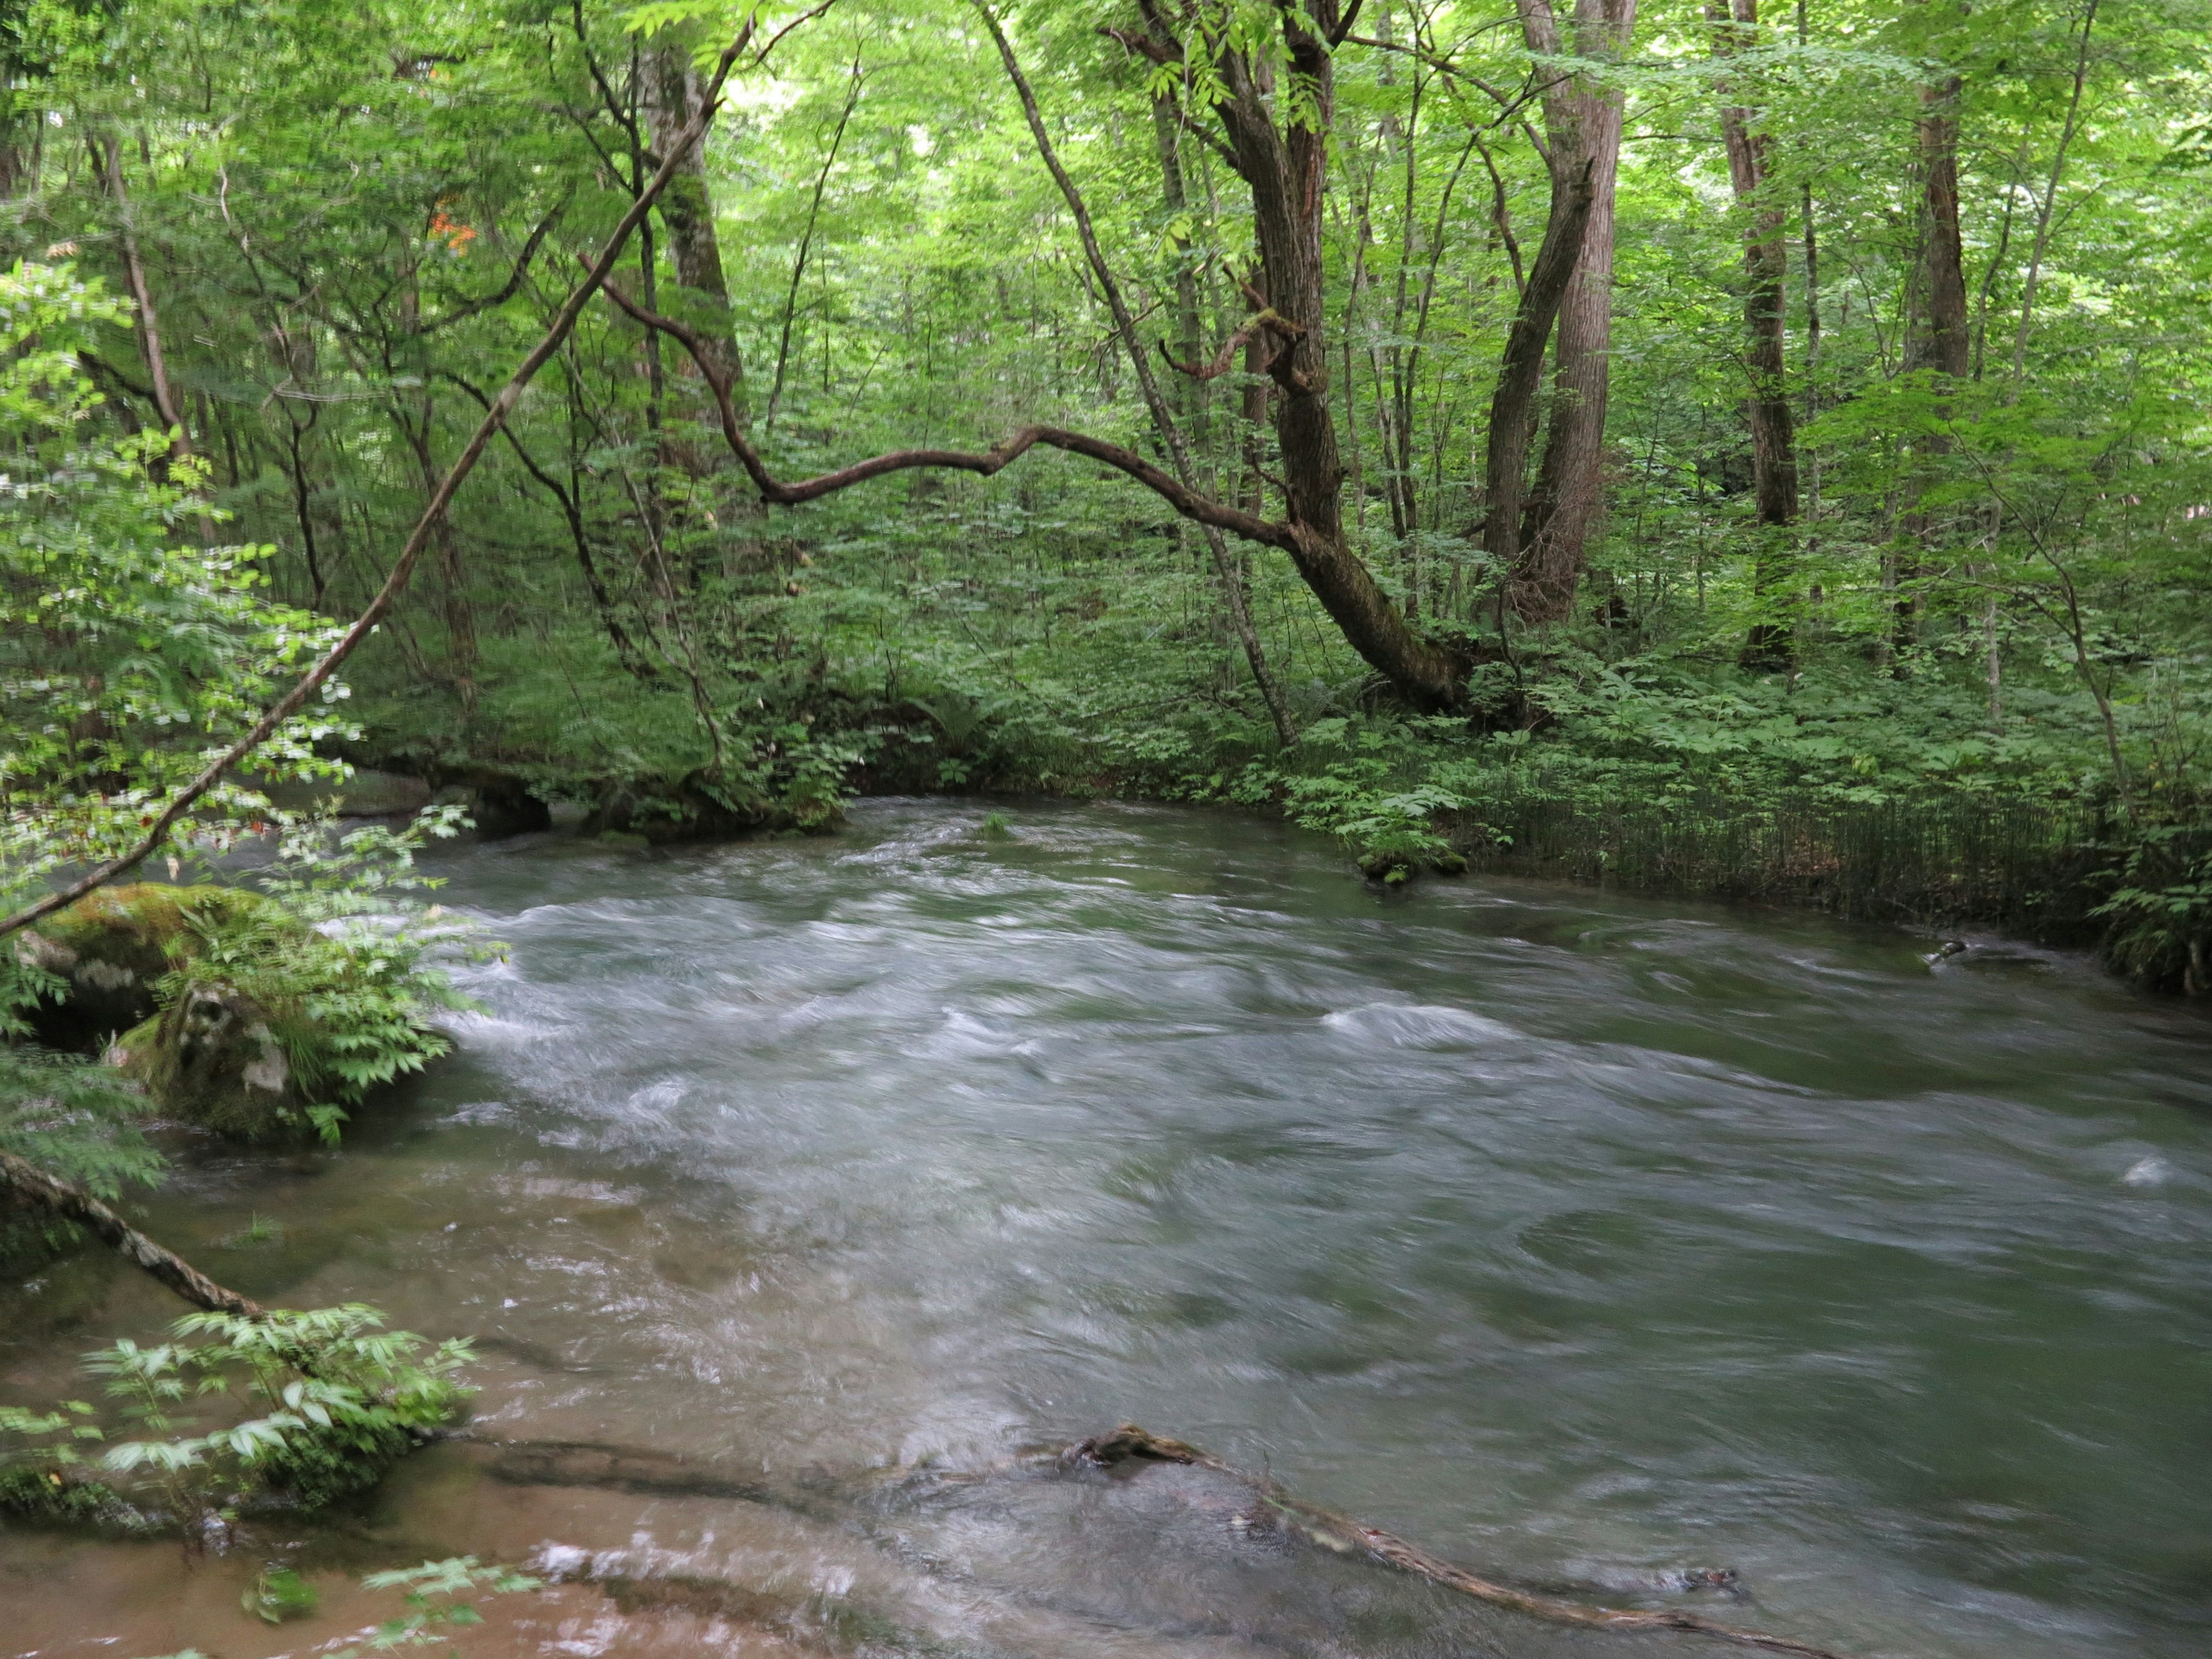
<point x="313" y="1405"/>
<point x="126" y="660"/>
<point x="2160" y="914"/>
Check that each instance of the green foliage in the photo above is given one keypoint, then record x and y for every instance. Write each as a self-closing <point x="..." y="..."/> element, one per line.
<point x="74" y="1118"/>
<point x="2160" y="910"/>
<point x="342" y="976"/>
<point x="1995" y="589"/>
<point x="431" y="1598"/>
<point x="312" y="1406"/>
<point x="123" y="658"/>
<point x="277" y="1594"/>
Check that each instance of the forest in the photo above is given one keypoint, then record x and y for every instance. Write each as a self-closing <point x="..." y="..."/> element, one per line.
<point x="1481" y="421"/>
<point x="1699" y="453"/>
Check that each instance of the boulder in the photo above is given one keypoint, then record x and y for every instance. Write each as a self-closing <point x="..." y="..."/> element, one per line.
<point x="213" y="1057"/>
<point x="111" y="949"/>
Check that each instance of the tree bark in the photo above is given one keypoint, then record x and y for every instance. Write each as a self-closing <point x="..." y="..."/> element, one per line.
<point x="1771" y="643"/>
<point x="1570" y="482"/>
<point x="671" y="100"/>
<point x="1942" y="341"/>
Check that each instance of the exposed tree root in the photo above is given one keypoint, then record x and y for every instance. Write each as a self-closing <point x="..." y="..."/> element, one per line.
<point x="1129" y="1444"/>
<point x="28" y="1183"/>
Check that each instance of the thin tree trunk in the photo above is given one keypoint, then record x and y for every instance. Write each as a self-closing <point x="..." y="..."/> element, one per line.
<point x="1771" y="643"/>
<point x="1942" y="341"/>
<point x="806" y="241"/>
<point x="1570" y="482"/>
<point x="150" y="327"/>
<point x="2051" y="201"/>
<point x="671" y="100"/>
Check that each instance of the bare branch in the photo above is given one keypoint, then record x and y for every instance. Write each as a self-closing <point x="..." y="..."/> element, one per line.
<point x="1188" y="502"/>
<point x="28" y="1183"/>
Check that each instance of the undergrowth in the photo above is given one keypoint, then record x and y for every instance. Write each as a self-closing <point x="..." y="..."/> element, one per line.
<point x="290" y="1410"/>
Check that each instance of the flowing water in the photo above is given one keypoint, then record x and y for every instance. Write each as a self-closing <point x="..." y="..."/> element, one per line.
<point x="1585" y="1240"/>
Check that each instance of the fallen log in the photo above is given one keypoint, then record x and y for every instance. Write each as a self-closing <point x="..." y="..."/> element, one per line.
<point x="64" y="1198"/>
<point x="1130" y="1444"/>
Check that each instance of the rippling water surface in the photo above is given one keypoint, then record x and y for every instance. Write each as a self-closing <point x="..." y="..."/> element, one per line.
<point x="1579" y="1238"/>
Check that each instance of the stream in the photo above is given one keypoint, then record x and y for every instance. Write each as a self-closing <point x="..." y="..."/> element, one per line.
<point x="1583" y="1239"/>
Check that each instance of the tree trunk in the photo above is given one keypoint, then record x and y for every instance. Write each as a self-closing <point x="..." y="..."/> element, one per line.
<point x="1765" y="267"/>
<point x="1286" y="170"/>
<point x="1570" y="483"/>
<point x="1536" y="590"/>
<point x="672" y="99"/>
<point x="1942" y="341"/>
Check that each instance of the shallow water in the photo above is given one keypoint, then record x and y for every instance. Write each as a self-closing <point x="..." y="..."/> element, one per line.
<point x="1581" y="1239"/>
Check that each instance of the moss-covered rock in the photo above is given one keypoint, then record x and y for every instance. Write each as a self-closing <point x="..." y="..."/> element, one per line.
<point x="214" y="1057"/>
<point x="111" y="950"/>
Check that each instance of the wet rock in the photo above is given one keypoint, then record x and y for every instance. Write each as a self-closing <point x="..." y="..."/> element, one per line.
<point x="693" y="808"/>
<point x="214" y="1057"/>
<point x="498" y="802"/>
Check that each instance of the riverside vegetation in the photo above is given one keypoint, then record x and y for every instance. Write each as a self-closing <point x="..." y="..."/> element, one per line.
<point x="1752" y="454"/>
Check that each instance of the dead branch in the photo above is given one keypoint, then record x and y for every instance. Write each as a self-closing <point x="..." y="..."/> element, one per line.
<point x="1342" y="1533"/>
<point x="403" y="567"/>
<point x="28" y="1182"/>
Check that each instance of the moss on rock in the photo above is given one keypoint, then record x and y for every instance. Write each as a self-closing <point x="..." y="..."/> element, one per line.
<point x="111" y="950"/>
<point x="214" y="1058"/>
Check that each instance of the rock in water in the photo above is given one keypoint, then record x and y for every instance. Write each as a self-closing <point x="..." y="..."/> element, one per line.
<point x="213" y="1057"/>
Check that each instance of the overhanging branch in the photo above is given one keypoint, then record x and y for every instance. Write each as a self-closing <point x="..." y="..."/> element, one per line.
<point x="1200" y="509"/>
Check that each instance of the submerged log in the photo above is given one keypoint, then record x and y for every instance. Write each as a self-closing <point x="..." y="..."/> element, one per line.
<point x="1130" y="1445"/>
<point x="25" y="1181"/>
